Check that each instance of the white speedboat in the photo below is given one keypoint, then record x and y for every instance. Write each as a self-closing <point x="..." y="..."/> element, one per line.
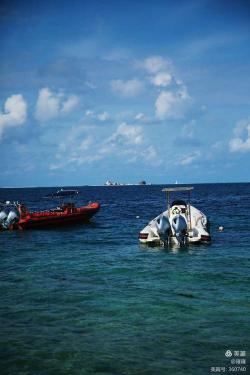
<point x="180" y="224"/>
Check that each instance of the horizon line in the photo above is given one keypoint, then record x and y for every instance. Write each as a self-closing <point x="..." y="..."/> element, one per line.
<point x="123" y="185"/>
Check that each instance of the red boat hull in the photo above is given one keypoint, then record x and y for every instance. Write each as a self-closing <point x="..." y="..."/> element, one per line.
<point x="68" y="215"/>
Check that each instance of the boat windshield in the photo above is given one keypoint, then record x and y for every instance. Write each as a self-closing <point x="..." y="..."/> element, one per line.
<point x="65" y="193"/>
<point x="178" y="203"/>
<point x="63" y="196"/>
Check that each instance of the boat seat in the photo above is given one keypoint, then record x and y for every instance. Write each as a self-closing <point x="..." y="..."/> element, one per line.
<point x="181" y="205"/>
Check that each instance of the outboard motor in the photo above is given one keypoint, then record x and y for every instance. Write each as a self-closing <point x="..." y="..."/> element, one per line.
<point x="163" y="227"/>
<point x="179" y="225"/>
<point x="3" y="217"/>
<point x="12" y="218"/>
<point x="9" y="215"/>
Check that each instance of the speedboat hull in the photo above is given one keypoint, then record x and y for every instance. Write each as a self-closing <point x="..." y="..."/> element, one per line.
<point x="185" y="225"/>
<point x="44" y="219"/>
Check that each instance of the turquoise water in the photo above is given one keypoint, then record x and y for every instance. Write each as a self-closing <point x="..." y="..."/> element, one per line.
<point x="89" y="299"/>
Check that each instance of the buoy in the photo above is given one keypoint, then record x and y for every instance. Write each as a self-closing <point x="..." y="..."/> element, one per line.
<point x="221" y="228"/>
<point x="137" y="217"/>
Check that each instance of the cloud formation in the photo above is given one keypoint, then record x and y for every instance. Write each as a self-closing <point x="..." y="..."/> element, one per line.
<point x="153" y="64"/>
<point x="170" y="104"/>
<point x="173" y="100"/>
<point x="131" y="134"/>
<point x="188" y="136"/>
<point x="126" y="134"/>
<point x="73" y="150"/>
<point x="190" y="158"/>
<point x="127" y="142"/>
<point x="241" y="140"/>
<point x="51" y="105"/>
<point x="161" y="79"/>
<point x="104" y="116"/>
<point x="86" y="143"/>
<point x="15" y="113"/>
<point x="159" y="70"/>
<point x="127" y="89"/>
<point x="139" y="116"/>
<point x="70" y="103"/>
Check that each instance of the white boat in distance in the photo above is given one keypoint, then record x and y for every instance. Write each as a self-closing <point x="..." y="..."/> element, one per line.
<point x="180" y="224"/>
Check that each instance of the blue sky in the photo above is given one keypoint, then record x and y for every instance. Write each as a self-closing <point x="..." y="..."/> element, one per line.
<point x="124" y="90"/>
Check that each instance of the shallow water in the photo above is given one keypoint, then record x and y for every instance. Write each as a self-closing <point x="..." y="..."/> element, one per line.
<point x="88" y="299"/>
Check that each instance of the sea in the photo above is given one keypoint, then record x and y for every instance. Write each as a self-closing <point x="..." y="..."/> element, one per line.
<point x="89" y="299"/>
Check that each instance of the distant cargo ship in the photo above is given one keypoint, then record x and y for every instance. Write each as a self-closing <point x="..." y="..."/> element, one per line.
<point x="111" y="183"/>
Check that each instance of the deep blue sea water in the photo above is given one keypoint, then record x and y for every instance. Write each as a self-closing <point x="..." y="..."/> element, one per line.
<point x="88" y="299"/>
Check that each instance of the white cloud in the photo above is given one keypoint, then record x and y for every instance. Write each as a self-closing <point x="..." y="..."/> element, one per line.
<point x="153" y="64"/>
<point x="172" y="104"/>
<point x="48" y="105"/>
<point x="161" y="71"/>
<point x="130" y="134"/>
<point x="103" y="116"/>
<point x="151" y="156"/>
<point x="74" y="151"/>
<point x="51" y="105"/>
<point x="127" y="89"/>
<point x="70" y="103"/>
<point x="241" y="141"/>
<point x="73" y="161"/>
<point x="127" y="143"/>
<point x="125" y="139"/>
<point x="164" y="103"/>
<point x="15" y="112"/>
<point x="91" y="85"/>
<point x="85" y="159"/>
<point x="139" y="116"/>
<point x="86" y="143"/>
<point x="188" y="159"/>
<point x="161" y="79"/>
<point x="89" y="113"/>
<point x="211" y="42"/>
<point x="188" y="129"/>
<point x="183" y="93"/>
<point x="217" y="146"/>
<point x="188" y="135"/>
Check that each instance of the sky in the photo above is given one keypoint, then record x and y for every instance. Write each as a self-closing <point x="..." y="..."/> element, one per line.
<point x="124" y="90"/>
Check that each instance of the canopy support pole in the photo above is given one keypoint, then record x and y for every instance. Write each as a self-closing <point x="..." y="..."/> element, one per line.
<point x="189" y="209"/>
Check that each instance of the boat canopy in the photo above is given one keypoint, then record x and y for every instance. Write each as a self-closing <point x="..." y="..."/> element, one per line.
<point x="176" y="190"/>
<point x="65" y="193"/>
<point x="62" y="194"/>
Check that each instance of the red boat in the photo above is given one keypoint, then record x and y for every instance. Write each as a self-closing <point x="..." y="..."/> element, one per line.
<point x="17" y="216"/>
